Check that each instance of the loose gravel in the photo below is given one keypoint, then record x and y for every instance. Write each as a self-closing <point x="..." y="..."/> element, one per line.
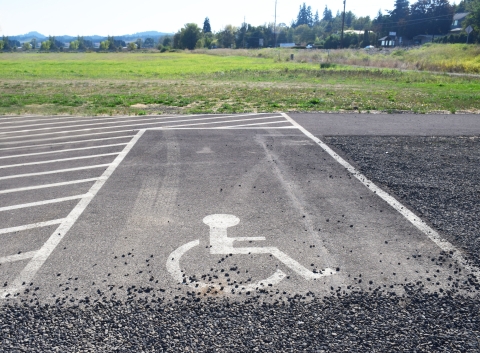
<point x="357" y="322"/>
<point x="438" y="178"/>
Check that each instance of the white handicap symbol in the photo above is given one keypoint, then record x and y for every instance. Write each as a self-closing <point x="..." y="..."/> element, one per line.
<point x="221" y="244"/>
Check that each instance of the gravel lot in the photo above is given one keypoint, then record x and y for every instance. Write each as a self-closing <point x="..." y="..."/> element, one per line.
<point x="437" y="177"/>
<point x="358" y="322"/>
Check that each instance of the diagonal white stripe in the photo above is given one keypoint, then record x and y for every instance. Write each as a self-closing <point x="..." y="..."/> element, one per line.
<point x="65" y="143"/>
<point x="59" y="160"/>
<point x="36" y="187"/>
<point x="41" y="203"/>
<point x="63" y="151"/>
<point x="17" y="257"/>
<point x="31" y="226"/>
<point x="54" y="171"/>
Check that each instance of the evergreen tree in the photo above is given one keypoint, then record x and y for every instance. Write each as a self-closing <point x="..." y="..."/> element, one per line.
<point x="327" y="14"/>
<point x="206" y="26"/>
<point x="304" y="16"/>
<point x="316" y="19"/>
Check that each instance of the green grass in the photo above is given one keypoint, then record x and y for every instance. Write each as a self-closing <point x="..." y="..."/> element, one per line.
<point x="124" y="83"/>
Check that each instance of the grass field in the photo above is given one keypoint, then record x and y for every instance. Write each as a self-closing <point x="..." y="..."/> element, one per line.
<point x="141" y="83"/>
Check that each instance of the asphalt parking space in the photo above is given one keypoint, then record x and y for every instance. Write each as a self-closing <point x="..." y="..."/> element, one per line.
<point x="323" y="230"/>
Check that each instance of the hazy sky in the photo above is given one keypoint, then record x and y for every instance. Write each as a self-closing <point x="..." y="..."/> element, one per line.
<point x="116" y="17"/>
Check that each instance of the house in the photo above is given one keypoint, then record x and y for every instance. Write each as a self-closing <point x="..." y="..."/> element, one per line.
<point x="458" y="19"/>
<point x="388" y="41"/>
<point x="422" y="39"/>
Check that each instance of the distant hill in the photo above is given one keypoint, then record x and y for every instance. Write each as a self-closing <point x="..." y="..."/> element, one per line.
<point x="155" y="35"/>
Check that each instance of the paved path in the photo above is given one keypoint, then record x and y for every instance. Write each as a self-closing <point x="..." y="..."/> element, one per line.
<point x="215" y="204"/>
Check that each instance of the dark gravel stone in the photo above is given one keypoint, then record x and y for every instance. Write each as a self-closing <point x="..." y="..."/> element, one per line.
<point x="438" y="178"/>
<point x="357" y="322"/>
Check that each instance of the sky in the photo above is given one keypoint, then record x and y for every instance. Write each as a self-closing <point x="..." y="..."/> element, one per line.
<point x="117" y="17"/>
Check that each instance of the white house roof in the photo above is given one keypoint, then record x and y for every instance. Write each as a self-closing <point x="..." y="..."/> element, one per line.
<point x="459" y="16"/>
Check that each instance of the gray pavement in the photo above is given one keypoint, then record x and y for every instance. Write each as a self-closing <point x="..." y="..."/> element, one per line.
<point x="101" y="205"/>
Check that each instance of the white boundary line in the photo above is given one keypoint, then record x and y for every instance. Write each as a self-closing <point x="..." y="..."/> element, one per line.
<point x="225" y="128"/>
<point x="54" y="171"/>
<point x="41" y="203"/>
<point x="65" y="143"/>
<point x="122" y="126"/>
<point x="28" y="188"/>
<point x="17" y="257"/>
<point x="67" y="137"/>
<point x="62" y="151"/>
<point x="58" y="160"/>
<point x="256" y="124"/>
<point x="222" y="122"/>
<point x="42" y="255"/>
<point x="31" y="226"/>
<point x="409" y="215"/>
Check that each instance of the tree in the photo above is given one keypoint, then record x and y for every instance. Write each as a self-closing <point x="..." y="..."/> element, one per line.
<point x="45" y="46"/>
<point x="206" y="26"/>
<point x="139" y="43"/>
<point x="104" y="45"/>
<point x="189" y="36"/>
<point x="1" y="44"/>
<point x="167" y="41"/>
<point x="131" y="46"/>
<point x="366" y="38"/>
<point x="226" y="37"/>
<point x="316" y="19"/>
<point x="34" y="43"/>
<point x="26" y="46"/>
<point x="149" y="43"/>
<point x="74" y="45"/>
<point x="473" y="19"/>
<point x="304" y="16"/>
<point x="327" y="14"/>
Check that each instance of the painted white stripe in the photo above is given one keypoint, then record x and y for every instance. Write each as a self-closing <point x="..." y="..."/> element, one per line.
<point x="78" y="120"/>
<point x="31" y="226"/>
<point x="226" y="128"/>
<point x="122" y="126"/>
<point x="58" y="160"/>
<point x="54" y="171"/>
<point x="63" y="151"/>
<point x="66" y="142"/>
<point x="223" y="122"/>
<point x="41" y="255"/>
<point x="17" y="257"/>
<point x="398" y="206"/>
<point x="41" y="203"/>
<point x="257" y="124"/>
<point x="44" y="186"/>
<point x="82" y="125"/>
<point x="68" y="137"/>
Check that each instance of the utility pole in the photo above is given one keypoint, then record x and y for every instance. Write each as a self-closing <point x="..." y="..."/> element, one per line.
<point x="245" y="31"/>
<point x="343" y="24"/>
<point x="275" y="25"/>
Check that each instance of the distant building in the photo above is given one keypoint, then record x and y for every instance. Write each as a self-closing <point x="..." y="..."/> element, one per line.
<point x="458" y="19"/>
<point x="287" y="45"/>
<point x="389" y="41"/>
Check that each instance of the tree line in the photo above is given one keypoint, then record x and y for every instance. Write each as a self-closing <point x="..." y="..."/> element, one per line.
<point x="433" y="17"/>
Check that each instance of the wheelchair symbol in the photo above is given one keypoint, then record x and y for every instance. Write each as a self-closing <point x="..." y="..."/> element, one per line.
<point x="221" y="244"/>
